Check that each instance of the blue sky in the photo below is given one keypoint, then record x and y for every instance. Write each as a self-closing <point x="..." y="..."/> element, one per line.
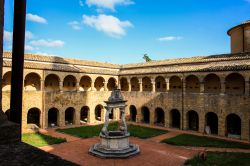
<point x="121" y="31"/>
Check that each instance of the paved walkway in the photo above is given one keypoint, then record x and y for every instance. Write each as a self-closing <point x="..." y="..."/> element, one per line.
<point x="152" y="151"/>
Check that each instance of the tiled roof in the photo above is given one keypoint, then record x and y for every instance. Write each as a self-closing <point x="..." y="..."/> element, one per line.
<point x="192" y="60"/>
<point x="245" y="23"/>
<point x="225" y="62"/>
<point x="56" y="59"/>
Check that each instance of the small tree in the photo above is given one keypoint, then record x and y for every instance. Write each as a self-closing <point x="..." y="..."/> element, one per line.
<point x="146" y="58"/>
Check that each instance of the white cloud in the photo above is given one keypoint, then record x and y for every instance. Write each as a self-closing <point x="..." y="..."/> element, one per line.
<point x="36" y="18"/>
<point x="170" y="38"/>
<point x="7" y="36"/>
<point x="75" y="25"/>
<point x="29" y="35"/>
<point x="29" y="48"/>
<point x="110" y="25"/>
<point x="47" y="43"/>
<point x="108" y="4"/>
<point x="81" y="3"/>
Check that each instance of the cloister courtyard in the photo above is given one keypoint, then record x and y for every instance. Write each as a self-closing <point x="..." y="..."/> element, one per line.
<point x="158" y="146"/>
<point x="181" y="111"/>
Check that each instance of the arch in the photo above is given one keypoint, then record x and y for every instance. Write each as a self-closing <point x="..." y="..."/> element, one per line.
<point x="233" y="126"/>
<point x="124" y="84"/>
<point x="159" y="117"/>
<point x="193" y="120"/>
<point x="146" y="84"/>
<point x="135" y="86"/>
<point x="7" y="113"/>
<point x="98" y="112"/>
<point x="99" y="84"/>
<point x="192" y="84"/>
<point x="212" y="122"/>
<point x="85" y="83"/>
<point x="160" y="84"/>
<point x="69" y="83"/>
<point x="111" y="84"/>
<point x="52" y="82"/>
<point x="145" y="115"/>
<point x="32" y="82"/>
<point x="212" y="84"/>
<point x="84" y="114"/>
<point x="69" y="116"/>
<point x="53" y="117"/>
<point x="33" y="116"/>
<point x="133" y="113"/>
<point x="175" y="119"/>
<point x="235" y="84"/>
<point x="175" y="84"/>
<point x="6" y="83"/>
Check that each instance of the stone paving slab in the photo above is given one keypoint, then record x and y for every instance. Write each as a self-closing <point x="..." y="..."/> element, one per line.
<point x="152" y="153"/>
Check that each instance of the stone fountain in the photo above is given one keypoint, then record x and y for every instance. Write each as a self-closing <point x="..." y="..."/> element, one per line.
<point x="115" y="144"/>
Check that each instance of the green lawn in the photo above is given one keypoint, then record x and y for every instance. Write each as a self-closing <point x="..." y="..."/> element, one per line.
<point x="39" y="140"/>
<point x="92" y="131"/>
<point x="221" y="159"/>
<point x="202" y="141"/>
<point x="144" y="132"/>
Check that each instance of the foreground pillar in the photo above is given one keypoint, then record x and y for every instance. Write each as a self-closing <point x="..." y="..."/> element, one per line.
<point x="17" y="61"/>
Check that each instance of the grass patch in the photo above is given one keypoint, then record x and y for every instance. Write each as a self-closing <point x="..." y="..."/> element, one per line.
<point x="221" y="159"/>
<point x="87" y="131"/>
<point x="203" y="141"/>
<point x="144" y="132"/>
<point x="39" y="140"/>
<point x="92" y="131"/>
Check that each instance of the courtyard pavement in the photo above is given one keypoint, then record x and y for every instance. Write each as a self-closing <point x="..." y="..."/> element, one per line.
<point x="152" y="152"/>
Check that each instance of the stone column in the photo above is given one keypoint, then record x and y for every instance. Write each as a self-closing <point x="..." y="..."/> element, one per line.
<point x="153" y="85"/>
<point x="129" y="86"/>
<point x="61" y="118"/>
<point x="223" y="87"/>
<point x="42" y="85"/>
<point x="245" y="129"/>
<point x="184" y="86"/>
<point x="221" y="125"/>
<point x="92" y="86"/>
<point x="152" y="117"/>
<point x="77" y="87"/>
<point x="105" y="86"/>
<point x="247" y="87"/>
<point x="77" y="117"/>
<point x="140" y="84"/>
<point x="167" y="84"/>
<point x="139" y="116"/>
<point x="202" y="87"/>
<point x="119" y="84"/>
<point x="91" y="115"/>
<point x="166" y="119"/>
<point x="61" y="86"/>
